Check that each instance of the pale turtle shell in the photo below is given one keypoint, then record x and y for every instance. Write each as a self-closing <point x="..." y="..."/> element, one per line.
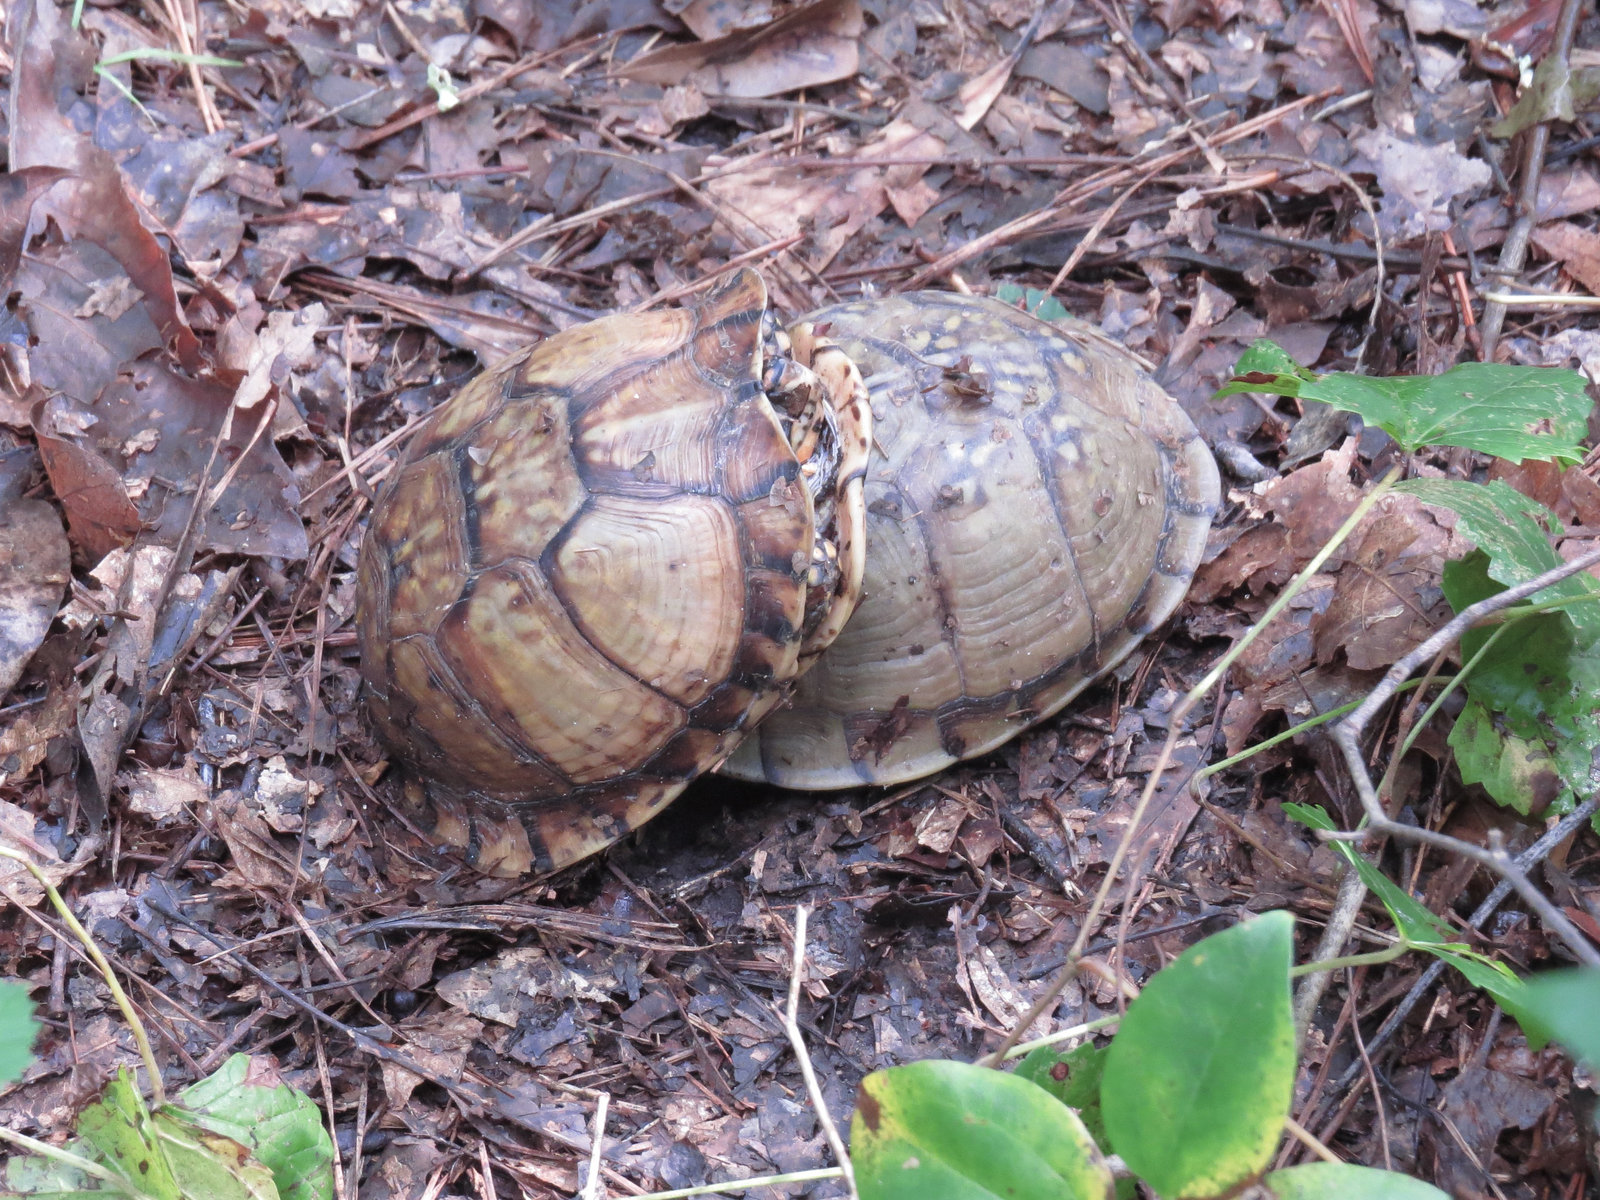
<point x="1036" y="504"/>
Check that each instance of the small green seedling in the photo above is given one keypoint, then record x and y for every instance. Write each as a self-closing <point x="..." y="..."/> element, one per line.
<point x="239" y="1134"/>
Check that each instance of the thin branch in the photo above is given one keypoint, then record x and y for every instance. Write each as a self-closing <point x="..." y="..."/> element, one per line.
<point x="594" y="1189"/>
<point x="1514" y="250"/>
<point x="1529" y="858"/>
<point x="1347" y="736"/>
<point x="791" y="1026"/>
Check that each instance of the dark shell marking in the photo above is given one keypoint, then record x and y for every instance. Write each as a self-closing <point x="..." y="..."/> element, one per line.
<point x="1035" y="511"/>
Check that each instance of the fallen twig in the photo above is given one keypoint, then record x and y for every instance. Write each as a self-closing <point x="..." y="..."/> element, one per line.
<point x="791" y="1026"/>
<point x="1514" y="250"/>
<point x="1347" y="736"/>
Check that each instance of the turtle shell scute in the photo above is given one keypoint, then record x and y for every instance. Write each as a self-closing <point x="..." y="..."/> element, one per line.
<point x="584" y="578"/>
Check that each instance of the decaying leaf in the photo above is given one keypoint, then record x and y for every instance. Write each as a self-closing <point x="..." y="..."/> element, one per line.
<point x="811" y="45"/>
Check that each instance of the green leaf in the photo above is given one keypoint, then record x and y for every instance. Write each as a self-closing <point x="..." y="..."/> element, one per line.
<point x="1519" y="773"/>
<point x="1074" y="1079"/>
<point x="246" y="1101"/>
<point x="1199" y="1077"/>
<point x="1345" y="1181"/>
<point x="1513" y="531"/>
<point x="1556" y="93"/>
<point x="36" y="1176"/>
<point x="1417" y="924"/>
<point x="1533" y="689"/>
<point x="1564" y="1006"/>
<point x="938" y="1130"/>
<point x="177" y="1154"/>
<point x="1267" y="367"/>
<point x="18" y="1027"/>
<point x="1415" y="921"/>
<point x="1041" y="304"/>
<point x="1511" y="412"/>
<point x="117" y="1130"/>
<point x="209" y="1166"/>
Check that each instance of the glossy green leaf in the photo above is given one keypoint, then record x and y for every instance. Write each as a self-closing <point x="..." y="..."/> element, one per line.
<point x="1072" y="1078"/>
<point x="1512" y="412"/>
<point x="1513" y="531"/>
<point x="938" y="1130"/>
<point x="1345" y="1181"/>
<point x="117" y="1130"/>
<point x="1533" y="688"/>
<point x="1041" y="304"/>
<point x="18" y="1026"/>
<point x="245" y="1100"/>
<point x="1564" y="1006"/>
<point x="1417" y="923"/>
<point x="1200" y="1074"/>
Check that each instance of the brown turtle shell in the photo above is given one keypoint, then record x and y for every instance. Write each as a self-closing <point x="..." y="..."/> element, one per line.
<point x="585" y="579"/>
<point x="1036" y="504"/>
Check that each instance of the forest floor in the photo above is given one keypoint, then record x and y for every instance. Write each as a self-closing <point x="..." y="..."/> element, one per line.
<point x="246" y="277"/>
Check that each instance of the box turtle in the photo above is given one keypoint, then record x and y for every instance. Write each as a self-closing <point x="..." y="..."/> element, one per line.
<point x="601" y="561"/>
<point x="1039" y="505"/>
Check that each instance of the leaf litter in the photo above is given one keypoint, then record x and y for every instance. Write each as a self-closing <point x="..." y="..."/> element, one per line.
<point x="233" y="288"/>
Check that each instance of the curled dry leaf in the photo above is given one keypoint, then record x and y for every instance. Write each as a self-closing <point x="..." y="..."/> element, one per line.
<point x="17" y="833"/>
<point x="35" y="566"/>
<point x="285" y="344"/>
<point x="95" y="205"/>
<point x="99" y="513"/>
<point x="812" y="45"/>
<point x="282" y="797"/>
<point x="18" y="191"/>
<point x="162" y="794"/>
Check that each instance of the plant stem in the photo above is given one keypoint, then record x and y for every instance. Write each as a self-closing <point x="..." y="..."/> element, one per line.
<point x="158" y="1090"/>
<point x="76" y="1161"/>
<point x="1371" y="959"/>
<point x="744" y="1185"/>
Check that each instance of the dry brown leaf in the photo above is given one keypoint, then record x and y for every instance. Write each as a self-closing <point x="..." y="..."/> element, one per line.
<point x="99" y="514"/>
<point x="937" y="826"/>
<point x="1387" y="599"/>
<point x="35" y="566"/>
<point x="17" y="883"/>
<point x="1577" y="250"/>
<point x="162" y="794"/>
<point x="809" y="46"/>
<point x="440" y="1043"/>
<point x="95" y="204"/>
<point x="18" y="191"/>
<point x="710" y="19"/>
<point x="25" y="740"/>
